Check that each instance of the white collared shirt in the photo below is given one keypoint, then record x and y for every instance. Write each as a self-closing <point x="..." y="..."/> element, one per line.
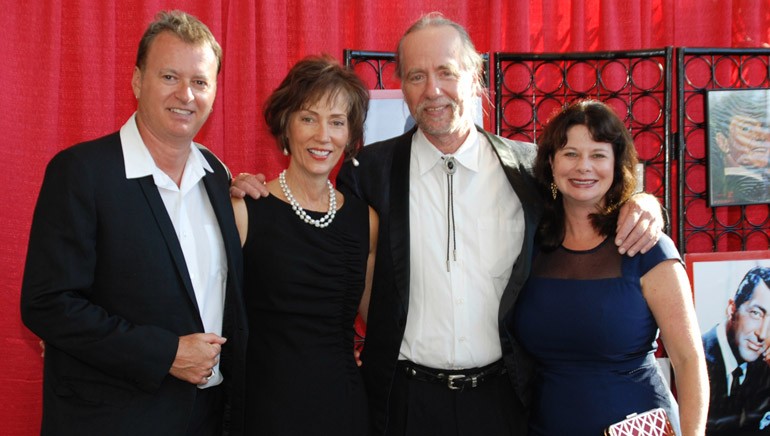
<point x="195" y="223"/>
<point x="728" y="358"/>
<point x="452" y="316"/>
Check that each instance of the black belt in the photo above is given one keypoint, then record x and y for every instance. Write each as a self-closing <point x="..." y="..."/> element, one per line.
<point x="454" y="379"/>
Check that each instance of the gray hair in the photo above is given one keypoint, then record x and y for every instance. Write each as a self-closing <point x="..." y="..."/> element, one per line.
<point x="470" y="59"/>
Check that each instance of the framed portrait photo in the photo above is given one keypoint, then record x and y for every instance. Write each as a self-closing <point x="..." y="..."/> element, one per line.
<point x="715" y="278"/>
<point x="738" y="139"/>
<point x="732" y="303"/>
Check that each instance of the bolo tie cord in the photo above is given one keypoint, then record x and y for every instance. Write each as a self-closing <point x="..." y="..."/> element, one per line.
<point x="450" y="167"/>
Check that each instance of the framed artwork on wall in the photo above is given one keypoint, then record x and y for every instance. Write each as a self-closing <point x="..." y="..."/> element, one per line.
<point x="732" y="303"/>
<point x="738" y="138"/>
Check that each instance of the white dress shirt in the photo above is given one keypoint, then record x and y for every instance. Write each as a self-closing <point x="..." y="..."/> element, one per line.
<point x="196" y="226"/>
<point x="453" y="306"/>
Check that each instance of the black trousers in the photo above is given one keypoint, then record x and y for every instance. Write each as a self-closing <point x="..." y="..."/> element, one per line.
<point x="421" y="408"/>
<point x="206" y="419"/>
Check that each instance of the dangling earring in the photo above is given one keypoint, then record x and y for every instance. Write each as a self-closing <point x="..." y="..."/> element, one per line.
<point x="285" y="151"/>
<point x="349" y="151"/>
<point x="554" y="190"/>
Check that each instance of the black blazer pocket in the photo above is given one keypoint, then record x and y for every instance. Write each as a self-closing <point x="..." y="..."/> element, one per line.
<point x="93" y="393"/>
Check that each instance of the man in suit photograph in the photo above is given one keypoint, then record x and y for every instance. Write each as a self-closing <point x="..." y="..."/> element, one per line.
<point x="736" y="352"/>
<point x="133" y="270"/>
<point x="458" y="211"/>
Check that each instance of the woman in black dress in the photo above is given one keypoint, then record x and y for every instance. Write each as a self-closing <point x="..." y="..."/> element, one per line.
<point x="308" y="253"/>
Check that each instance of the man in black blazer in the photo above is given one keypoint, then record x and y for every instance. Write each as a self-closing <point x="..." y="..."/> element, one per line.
<point x="735" y="359"/>
<point x="133" y="273"/>
<point x="458" y="210"/>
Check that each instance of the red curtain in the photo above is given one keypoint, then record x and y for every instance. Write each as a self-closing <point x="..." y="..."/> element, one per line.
<point x="66" y="71"/>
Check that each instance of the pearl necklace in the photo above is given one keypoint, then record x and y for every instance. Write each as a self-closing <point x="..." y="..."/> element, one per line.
<point x="325" y="220"/>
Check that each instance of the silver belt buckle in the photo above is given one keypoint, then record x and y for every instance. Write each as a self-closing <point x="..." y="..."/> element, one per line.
<point x="450" y="381"/>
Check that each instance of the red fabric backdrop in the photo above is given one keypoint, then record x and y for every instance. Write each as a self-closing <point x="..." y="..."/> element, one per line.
<point x="66" y="71"/>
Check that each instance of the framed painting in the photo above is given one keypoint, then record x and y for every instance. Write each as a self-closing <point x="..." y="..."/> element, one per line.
<point x="738" y="140"/>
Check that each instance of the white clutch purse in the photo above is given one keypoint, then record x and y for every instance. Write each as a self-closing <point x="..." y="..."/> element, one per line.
<point x="650" y="423"/>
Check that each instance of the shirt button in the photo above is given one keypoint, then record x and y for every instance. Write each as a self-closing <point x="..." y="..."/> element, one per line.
<point x="461" y="338"/>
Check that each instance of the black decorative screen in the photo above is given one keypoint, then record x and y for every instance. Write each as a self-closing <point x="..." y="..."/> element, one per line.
<point x="723" y="228"/>
<point x="378" y="68"/>
<point x="529" y="87"/>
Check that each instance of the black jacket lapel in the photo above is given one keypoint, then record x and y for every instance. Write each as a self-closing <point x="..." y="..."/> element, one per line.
<point x="169" y="235"/>
<point x="399" y="217"/>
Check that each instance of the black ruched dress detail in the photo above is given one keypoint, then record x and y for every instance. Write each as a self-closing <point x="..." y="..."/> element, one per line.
<point x="302" y="286"/>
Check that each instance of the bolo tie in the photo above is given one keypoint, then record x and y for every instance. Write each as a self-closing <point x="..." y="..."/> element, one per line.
<point x="450" y="168"/>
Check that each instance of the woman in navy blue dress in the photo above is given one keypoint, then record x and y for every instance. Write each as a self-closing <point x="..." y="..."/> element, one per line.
<point x="590" y="316"/>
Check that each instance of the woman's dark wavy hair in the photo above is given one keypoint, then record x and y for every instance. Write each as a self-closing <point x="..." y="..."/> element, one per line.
<point x="604" y="126"/>
<point x="310" y="80"/>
